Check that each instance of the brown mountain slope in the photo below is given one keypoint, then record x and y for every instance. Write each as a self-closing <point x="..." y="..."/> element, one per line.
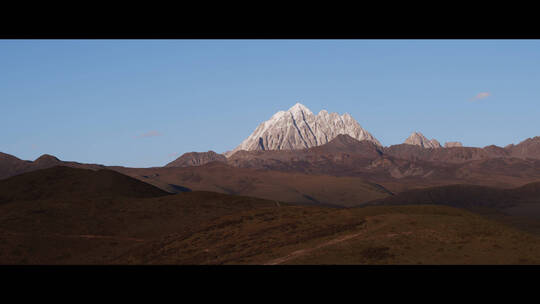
<point x="467" y="196"/>
<point x="519" y="207"/>
<point x="213" y="228"/>
<point x="463" y="196"/>
<point x="399" y="167"/>
<point x="11" y="165"/>
<point x="346" y="144"/>
<point x="342" y="151"/>
<point x="345" y="150"/>
<point x="62" y="222"/>
<point x="63" y="182"/>
<point x="196" y="159"/>
<point x="79" y="230"/>
<point x="274" y="185"/>
<point x="371" y="235"/>
<point x="529" y="148"/>
<point x="447" y="155"/>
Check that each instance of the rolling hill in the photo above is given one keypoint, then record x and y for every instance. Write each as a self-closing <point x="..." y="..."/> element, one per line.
<point x="78" y="216"/>
<point x="370" y="235"/>
<point x="273" y="185"/>
<point x="64" y="182"/>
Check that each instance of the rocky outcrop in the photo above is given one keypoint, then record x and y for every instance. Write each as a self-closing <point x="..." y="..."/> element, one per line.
<point x="418" y="139"/>
<point x="47" y="161"/>
<point x="529" y="148"/>
<point x="452" y="144"/>
<point x="196" y="159"/>
<point x="298" y="128"/>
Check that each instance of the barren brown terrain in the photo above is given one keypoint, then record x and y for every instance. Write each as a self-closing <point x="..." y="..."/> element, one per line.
<point x="88" y="219"/>
<point x="294" y="187"/>
<point x="96" y="217"/>
<point x="370" y="235"/>
<point x="346" y="202"/>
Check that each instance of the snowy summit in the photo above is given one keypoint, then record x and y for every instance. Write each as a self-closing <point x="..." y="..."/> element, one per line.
<point x="298" y="128"/>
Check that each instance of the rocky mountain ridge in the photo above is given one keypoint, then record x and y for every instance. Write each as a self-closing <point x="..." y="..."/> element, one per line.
<point x="298" y="128"/>
<point x="418" y="139"/>
<point x="196" y="159"/>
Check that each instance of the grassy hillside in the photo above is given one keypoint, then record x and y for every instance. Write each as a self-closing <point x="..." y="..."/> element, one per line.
<point x="66" y="215"/>
<point x="77" y="216"/>
<point x="370" y="235"/>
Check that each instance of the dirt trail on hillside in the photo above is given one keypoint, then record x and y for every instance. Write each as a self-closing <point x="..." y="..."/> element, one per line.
<point x="365" y="233"/>
<point x="302" y="252"/>
<point x="82" y="236"/>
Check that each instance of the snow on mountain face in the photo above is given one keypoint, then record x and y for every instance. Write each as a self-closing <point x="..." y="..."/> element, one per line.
<point x="418" y="139"/>
<point x="298" y="128"/>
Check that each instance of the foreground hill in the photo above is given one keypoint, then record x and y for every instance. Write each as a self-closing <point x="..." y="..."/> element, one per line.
<point x="62" y="221"/>
<point x="64" y="182"/>
<point x="370" y="235"/>
<point x="129" y="222"/>
<point x="307" y="187"/>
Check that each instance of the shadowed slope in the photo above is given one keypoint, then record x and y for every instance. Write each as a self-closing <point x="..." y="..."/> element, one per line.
<point x="467" y="196"/>
<point x="63" y="215"/>
<point x="11" y="165"/>
<point x="453" y="195"/>
<point x="64" y="182"/>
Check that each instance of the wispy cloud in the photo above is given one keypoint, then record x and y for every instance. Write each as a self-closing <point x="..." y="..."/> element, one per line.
<point x="149" y="134"/>
<point x="481" y="95"/>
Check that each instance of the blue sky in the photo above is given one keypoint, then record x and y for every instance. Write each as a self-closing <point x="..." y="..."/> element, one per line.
<point x="141" y="103"/>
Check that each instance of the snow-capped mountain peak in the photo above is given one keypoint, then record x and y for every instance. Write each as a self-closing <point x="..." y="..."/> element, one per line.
<point x="298" y="128"/>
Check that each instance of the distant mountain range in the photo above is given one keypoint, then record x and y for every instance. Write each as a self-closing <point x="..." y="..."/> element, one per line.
<point x="298" y="128"/>
<point x="11" y="165"/>
<point x="318" y="147"/>
<point x="344" y="146"/>
<point x="293" y="134"/>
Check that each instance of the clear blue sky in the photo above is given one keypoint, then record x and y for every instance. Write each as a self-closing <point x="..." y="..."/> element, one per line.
<point x="141" y="103"/>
